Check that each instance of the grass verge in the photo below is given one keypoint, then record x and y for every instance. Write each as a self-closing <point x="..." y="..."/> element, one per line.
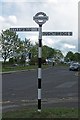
<point x="8" y="68"/>
<point x="18" y="68"/>
<point x="45" y="113"/>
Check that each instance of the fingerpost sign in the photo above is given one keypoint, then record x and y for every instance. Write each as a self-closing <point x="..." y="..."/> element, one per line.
<point x="40" y="18"/>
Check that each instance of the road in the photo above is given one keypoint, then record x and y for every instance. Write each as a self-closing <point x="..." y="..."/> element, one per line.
<point x="59" y="88"/>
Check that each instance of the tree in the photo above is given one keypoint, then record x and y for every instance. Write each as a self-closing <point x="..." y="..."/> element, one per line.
<point x="23" y="59"/>
<point x="23" y="50"/>
<point x="69" y="56"/>
<point x="10" y="44"/>
<point x="34" y="54"/>
<point x="77" y="57"/>
<point x="47" y="52"/>
<point x="26" y="46"/>
<point x="58" y="55"/>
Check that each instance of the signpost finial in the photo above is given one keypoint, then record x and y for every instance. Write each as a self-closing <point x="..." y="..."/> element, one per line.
<point x="40" y="18"/>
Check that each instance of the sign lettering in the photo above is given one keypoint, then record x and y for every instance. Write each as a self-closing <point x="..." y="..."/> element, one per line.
<point x="40" y="18"/>
<point x="24" y="29"/>
<point x="57" y="33"/>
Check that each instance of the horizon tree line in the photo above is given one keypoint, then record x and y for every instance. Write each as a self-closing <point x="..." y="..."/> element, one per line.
<point x="17" y="50"/>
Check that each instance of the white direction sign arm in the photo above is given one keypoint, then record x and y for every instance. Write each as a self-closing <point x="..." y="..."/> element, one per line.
<point x="32" y="29"/>
<point x="57" y="33"/>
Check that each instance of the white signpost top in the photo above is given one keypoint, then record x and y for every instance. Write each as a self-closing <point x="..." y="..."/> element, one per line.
<point x="40" y="18"/>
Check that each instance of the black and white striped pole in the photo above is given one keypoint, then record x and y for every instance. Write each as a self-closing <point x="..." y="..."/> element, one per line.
<point x="40" y="18"/>
<point x="39" y="67"/>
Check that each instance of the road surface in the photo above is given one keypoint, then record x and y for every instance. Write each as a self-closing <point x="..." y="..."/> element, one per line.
<point x="59" y="88"/>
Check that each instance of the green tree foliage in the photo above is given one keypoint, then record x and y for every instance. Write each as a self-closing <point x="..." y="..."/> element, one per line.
<point x="70" y="56"/>
<point x="10" y="44"/>
<point x="23" y="59"/>
<point x="58" y="55"/>
<point x="47" y="52"/>
<point x="16" y="50"/>
<point x="34" y="54"/>
<point x="77" y="57"/>
<point x="11" y="61"/>
<point x="13" y="47"/>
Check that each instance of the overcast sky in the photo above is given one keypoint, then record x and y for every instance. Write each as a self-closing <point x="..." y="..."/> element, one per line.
<point x="63" y="16"/>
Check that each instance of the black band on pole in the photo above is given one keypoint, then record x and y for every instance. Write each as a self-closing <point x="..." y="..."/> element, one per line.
<point x="39" y="83"/>
<point x="40" y="42"/>
<point x="39" y="62"/>
<point x="39" y="104"/>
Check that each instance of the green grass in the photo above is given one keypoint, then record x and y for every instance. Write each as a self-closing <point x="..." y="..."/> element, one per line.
<point x="45" y="113"/>
<point x="0" y="66"/>
<point x="6" y="69"/>
<point x="16" y="68"/>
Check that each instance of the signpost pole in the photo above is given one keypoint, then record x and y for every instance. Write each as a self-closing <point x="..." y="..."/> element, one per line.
<point x="39" y="67"/>
<point x="40" y="18"/>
